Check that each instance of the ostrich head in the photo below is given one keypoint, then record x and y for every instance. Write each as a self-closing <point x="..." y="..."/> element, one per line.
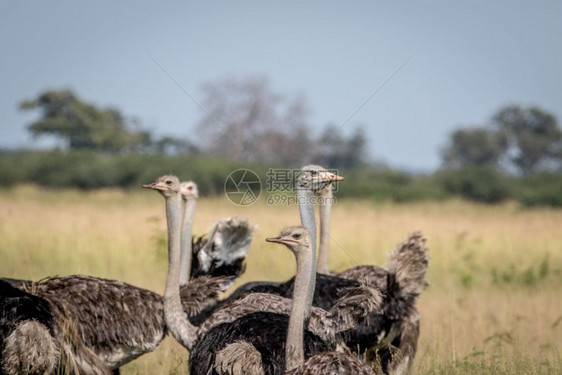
<point x="188" y="190"/>
<point x="315" y="178"/>
<point x="295" y="238"/>
<point x="167" y="185"/>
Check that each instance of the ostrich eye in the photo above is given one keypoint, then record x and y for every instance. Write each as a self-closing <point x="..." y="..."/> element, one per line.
<point x="168" y="182"/>
<point x="314" y="173"/>
<point x="296" y="236"/>
<point x="190" y="188"/>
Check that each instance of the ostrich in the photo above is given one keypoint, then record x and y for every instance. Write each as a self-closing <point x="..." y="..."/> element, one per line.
<point x="398" y="324"/>
<point x="188" y="334"/>
<point x="95" y="314"/>
<point x="260" y="351"/>
<point x="391" y="335"/>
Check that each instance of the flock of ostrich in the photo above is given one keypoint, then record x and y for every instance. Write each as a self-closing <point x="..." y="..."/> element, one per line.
<point x="362" y="320"/>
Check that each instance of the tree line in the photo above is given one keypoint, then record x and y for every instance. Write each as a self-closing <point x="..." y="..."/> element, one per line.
<point x="516" y="155"/>
<point x="244" y="120"/>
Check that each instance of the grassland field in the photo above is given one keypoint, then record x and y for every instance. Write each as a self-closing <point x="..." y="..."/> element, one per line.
<point x="494" y="305"/>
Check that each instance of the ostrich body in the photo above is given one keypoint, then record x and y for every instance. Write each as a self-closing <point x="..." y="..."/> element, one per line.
<point x="103" y="335"/>
<point x="389" y="336"/>
<point x="117" y="321"/>
<point x="352" y="307"/>
<point x="325" y="295"/>
<point x="243" y="356"/>
<point x="211" y="355"/>
<point x="36" y="340"/>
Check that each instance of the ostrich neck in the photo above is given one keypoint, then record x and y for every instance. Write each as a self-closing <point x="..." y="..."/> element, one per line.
<point x="294" y="351"/>
<point x="186" y="234"/>
<point x="325" y="209"/>
<point x="308" y="220"/>
<point x="176" y="320"/>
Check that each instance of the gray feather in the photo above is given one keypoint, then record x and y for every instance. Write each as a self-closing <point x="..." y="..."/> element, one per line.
<point x="229" y="240"/>
<point x="239" y="358"/>
<point x="409" y="262"/>
<point x="353" y="306"/>
<point x="332" y="363"/>
<point x="111" y="322"/>
<point x="29" y="349"/>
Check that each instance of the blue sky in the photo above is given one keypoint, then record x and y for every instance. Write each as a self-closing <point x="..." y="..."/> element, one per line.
<point x="467" y="60"/>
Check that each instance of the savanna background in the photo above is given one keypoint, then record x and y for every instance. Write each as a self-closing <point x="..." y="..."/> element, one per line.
<point x="442" y="118"/>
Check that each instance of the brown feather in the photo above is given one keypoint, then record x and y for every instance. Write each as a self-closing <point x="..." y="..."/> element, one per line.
<point x="114" y="322"/>
<point x="402" y="282"/>
<point x="409" y="262"/>
<point x="29" y="349"/>
<point x="353" y="306"/>
<point x="239" y="358"/>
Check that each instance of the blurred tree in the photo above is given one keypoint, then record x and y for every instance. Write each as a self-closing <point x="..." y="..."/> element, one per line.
<point x="83" y="125"/>
<point x="474" y="147"/>
<point x="534" y="138"/>
<point x="337" y="151"/>
<point x="245" y="120"/>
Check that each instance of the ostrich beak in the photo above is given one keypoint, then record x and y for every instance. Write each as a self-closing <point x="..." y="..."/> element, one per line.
<point x="274" y="239"/>
<point x="331" y="177"/>
<point x="279" y="239"/>
<point x="153" y="186"/>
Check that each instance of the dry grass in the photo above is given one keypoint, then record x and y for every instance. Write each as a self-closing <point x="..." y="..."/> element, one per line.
<point x="494" y="305"/>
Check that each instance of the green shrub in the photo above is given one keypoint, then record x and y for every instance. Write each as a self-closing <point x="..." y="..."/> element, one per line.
<point x="543" y="189"/>
<point x="85" y="169"/>
<point x="480" y="184"/>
